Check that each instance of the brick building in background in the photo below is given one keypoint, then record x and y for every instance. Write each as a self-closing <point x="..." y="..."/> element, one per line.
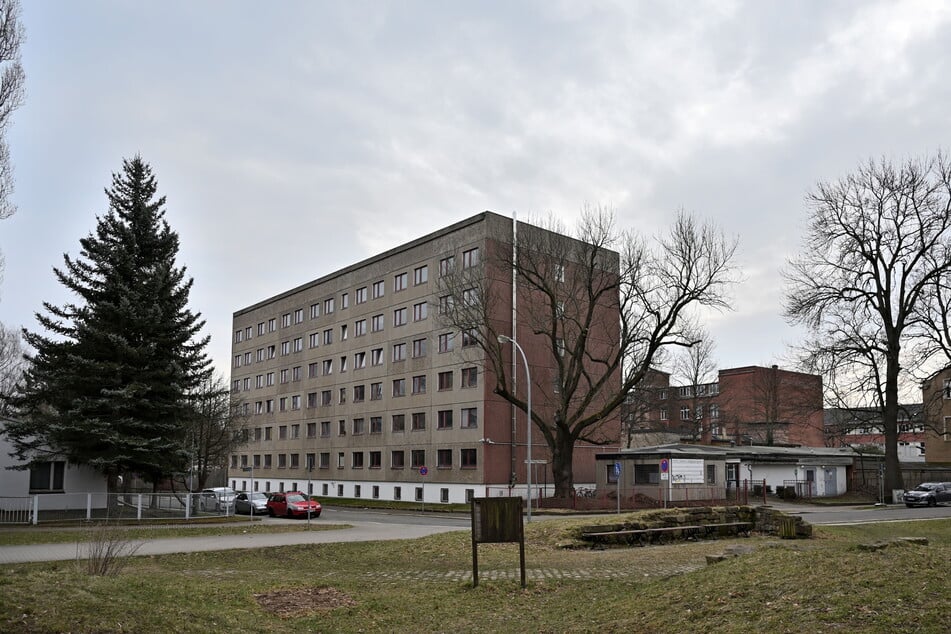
<point x="354" y="374"/>
<point x="936" y="400"/>
<point x="749" y="405"/>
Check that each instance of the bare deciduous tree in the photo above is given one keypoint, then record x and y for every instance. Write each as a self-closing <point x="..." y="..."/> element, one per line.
<point x="215" y="431"/>
<point x="601" y="306"/>
<point x="695" y="366"/>
<point x="11" y="365"/>
<point x="12" y="79"/>
<point x="878" y="244"/>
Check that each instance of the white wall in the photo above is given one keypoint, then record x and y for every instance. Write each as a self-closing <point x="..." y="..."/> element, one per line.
<point x="432" y="491"/>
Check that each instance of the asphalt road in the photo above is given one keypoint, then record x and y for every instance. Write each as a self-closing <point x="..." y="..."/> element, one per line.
<point x="863" y="514"/>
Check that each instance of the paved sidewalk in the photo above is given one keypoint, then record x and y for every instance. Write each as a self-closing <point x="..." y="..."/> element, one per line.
<point x="361" y="531"/>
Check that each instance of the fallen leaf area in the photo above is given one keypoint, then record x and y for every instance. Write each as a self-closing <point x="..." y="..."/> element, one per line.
<point x="297" y="602"/>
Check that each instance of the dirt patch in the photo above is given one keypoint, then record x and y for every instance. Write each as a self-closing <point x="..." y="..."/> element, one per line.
<point x="297" y="602"/>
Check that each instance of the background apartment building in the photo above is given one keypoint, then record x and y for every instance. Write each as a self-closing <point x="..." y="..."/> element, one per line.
<point x="936" y="396"/>
<point x="353" y="388"/>
<point x="751" y="405"/>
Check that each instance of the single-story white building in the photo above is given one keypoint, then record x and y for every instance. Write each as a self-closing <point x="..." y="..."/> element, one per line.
<point x="47" y="486"/>
<point x="680" y="472"/>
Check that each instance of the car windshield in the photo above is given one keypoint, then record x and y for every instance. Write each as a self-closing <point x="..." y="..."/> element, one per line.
<point x="927" y="486"/>
<point x="295" y="498"/>
<point x="257" y="496"/>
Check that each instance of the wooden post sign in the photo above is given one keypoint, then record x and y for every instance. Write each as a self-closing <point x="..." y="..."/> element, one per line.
<point x="497" y="520"/>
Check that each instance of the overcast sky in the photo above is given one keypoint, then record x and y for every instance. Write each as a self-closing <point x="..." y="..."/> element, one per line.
<point x="295" y="138"/>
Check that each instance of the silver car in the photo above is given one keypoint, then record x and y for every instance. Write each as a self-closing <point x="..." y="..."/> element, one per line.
<point x="216" y="499"/>
<point x="246" y="501"/>
<point x="928" y="494"/>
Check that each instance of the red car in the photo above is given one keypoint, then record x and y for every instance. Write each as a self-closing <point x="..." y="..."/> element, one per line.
<point x="292" y="504"/>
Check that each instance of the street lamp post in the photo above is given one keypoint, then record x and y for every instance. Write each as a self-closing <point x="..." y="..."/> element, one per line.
<point x="528" y="426"/>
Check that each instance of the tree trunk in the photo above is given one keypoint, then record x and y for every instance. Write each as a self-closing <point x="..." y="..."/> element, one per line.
<point x="562" y="458"/>
<point x="893" y="477"/>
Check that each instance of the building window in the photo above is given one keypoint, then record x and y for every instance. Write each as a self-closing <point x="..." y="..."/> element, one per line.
<point x="399" y="281"/>
<point x="326" y="397"/>
<point x="445" y="342"/>
<point x="469" y="338"/>
<point x="259" y="381"/>
<point x="663" y="413"/>
<point x="285" y="320"/>
<point x="377" y="289"/>
<point x="446" y="265"/>
<point x="343" y="396"/>
<point x="359" y="360"/>
<point x="684" y="413"/>
<point x="313" y="339"/>
<point x="399" y="352"/>
<point x="646" y="474"/>
<point x="314" y="311"/>
<point x="419" y="421"/>
<point x="419" y="384"/>
<point x="328" y="367"/>
<point x="397" y="493"/>
<point x="444" y="419"/>
<point x="325" y="428"/>
<point x="445" y="380"/>
<point x="282" y="461"/>
<point x="470" y="418"/>
<point x="376" y="391"/>
<point x="324" y="460"/>
<point x="470" y="258"/>
<point x="358" y="393"/>
<point x="328" y="336"/>
<point x="271" y="352"/>
<point x="328" y="306"/>
<point x="398" y="423"/>
<point x="376" y="459"/>
<point x="376" y="424"/>
<point x="295" y="373"/>
<point x="267" y="461"/>
<point x="311" y="430"/>
<point x="261" y="329"/>
<point x="47" y="476"/>
<point x="341" y="463"/>
<point x="344" y="301"/>
<point x="420" y="275"/>
<point x="559" y="272"/>
<point x="418" y="458"/>
<point x="284" y="376"/>
<point x="295" y="461"/>
<point x="359" y="426"/>
<point x="560" y="346"/>
<point x="686" y="391"/>
<point x="397" y="460"/>
<point x="711" y="474"/>
<point x="343" y="332"/>
<point x="299" y="316"/>
<point x="362" y="295"/>
<point x="343" y="364"/>
<point x="467" y="458"/>
<point x="399" y="317"/>
<point x="444" y="458"/>
<point x="419" y="348"/>
<point x="420" y="311"/>
<point x="271" y="324"/>
<point x="376" y="323"/>
<point x="470" y="377"/>
<point x="399" y="387"/>
<point x="341" y="428"/>
<point x="376" y="356"/>
<point x="445" y="304"/>
<point x="285" y="348"/>
<point x="295" y="402"/>
<point x="359" y="327"/>
<point x="470" y="297"/>
<point x="714" y="411"/>
<point x="282" y="432"/>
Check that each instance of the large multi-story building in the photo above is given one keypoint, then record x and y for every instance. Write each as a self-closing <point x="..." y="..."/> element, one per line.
<point x="353" y="386"/>
<point x="936" y="396"/>
<point x="747" y="405"/>
<point x="862" y="429"/>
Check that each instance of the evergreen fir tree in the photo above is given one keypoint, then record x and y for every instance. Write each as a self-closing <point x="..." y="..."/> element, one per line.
<point x="110" y="377"/>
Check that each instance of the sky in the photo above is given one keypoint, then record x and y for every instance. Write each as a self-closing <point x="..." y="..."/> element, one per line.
<point x="293" y="139"/>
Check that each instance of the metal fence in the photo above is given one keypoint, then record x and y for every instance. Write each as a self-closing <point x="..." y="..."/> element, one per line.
<point x="142" y="507"/>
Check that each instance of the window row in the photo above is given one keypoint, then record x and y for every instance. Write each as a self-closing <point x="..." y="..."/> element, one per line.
<point x="377" y="289"/>
<point x="468" y="459"/>
<point x="468" y="419"/>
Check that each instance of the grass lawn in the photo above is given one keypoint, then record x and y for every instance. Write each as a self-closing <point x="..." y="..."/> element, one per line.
<point x="821" y="585"/>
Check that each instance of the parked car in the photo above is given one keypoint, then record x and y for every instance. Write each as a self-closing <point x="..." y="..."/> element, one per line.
<point x="245" y="501"/>
<point x="292" y="504"/>
<point x="928" y="493"/>
<point x="217" y="499"/>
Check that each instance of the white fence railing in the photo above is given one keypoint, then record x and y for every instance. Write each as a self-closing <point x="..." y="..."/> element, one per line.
<point x="58" y="507"/>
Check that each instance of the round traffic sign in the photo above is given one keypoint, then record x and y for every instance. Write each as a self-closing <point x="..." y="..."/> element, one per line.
<point x="664" y="465"/>
<point x="423" y="470"/>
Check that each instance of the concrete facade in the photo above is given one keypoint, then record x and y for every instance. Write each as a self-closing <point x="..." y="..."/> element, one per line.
<point x="355" y="374"/>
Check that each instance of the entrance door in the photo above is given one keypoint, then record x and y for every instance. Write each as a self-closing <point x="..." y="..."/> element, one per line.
<point x="830" y="484"/>
<point x="810" y="483"/>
